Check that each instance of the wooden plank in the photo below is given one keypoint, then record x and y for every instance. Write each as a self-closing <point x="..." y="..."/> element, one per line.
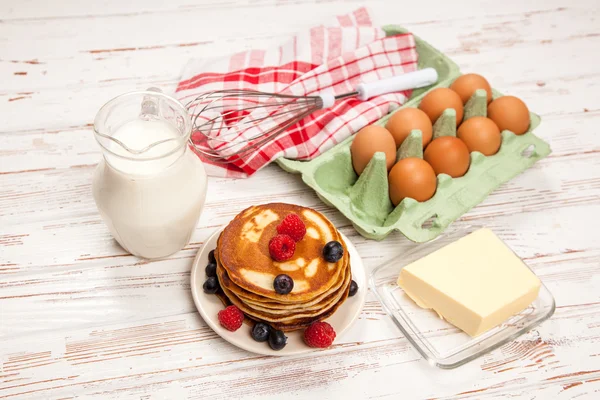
<point x="182" y="357"/>
<point x="26" y="9"/>
<point x="108" y="285"/>
<point x="44" y="149"/>
<point x="145" y="65"/>
<point x="93" y="58"/>
<point x="53" y="195"/>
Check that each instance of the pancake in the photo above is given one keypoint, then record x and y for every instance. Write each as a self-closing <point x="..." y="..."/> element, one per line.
<point x="302" y="323"/>
<point x="292" y="322"/>
<point x="284" y="315"/>
<point x="246" y="271"/>
<point x="257" y="310"/>
<point x="243" y="251"/>
<point x="253" y="299"/>
<point x="311" y="305"/>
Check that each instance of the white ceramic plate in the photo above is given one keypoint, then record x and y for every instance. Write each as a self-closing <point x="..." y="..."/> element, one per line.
<point x="209" y="305"/>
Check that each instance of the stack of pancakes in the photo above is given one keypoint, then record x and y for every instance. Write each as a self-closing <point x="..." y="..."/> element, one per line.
<point x="246" y="270"/>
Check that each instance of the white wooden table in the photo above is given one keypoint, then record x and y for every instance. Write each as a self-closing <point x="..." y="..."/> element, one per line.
<point x="81" y="318"/>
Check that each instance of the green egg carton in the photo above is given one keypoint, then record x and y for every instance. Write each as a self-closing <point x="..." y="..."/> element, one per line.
<point x="365" y="200"/>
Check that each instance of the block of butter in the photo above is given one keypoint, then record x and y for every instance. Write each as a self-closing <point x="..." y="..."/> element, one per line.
<point x="475" y="283"/>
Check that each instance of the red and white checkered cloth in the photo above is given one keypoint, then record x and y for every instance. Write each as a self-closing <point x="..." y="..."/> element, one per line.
<point x="332" y="59"/>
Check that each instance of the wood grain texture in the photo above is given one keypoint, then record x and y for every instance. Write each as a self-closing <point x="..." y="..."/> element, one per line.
<point x="79" y="317"/>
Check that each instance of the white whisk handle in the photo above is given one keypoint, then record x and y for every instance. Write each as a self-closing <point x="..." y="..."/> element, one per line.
<point x="328" y="99"/>
<point x="411" y="80"/>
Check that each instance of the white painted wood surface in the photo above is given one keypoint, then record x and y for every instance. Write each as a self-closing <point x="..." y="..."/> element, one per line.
<point x="81" y="318"/>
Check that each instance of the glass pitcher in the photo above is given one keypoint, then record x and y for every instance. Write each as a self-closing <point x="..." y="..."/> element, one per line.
<point x="149" y="187"/>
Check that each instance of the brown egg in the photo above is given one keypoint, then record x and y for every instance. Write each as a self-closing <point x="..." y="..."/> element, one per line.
<point x="467" y="84"/>
<point x="448" y="155"/>
<point x="368" y="141"/>
<point x="412" y="177"/>
<point x="509" y="112"/>
<point x="480" y="134"/>
<point x="435" y="102"/>
<point x="405" y="120"/>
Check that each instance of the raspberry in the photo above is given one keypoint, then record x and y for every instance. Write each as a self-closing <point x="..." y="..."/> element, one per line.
<point x="293" y="226"/>
<point x="231" y="318"/>
<point x="282" y="247"/>
<point x="319" y="334"/>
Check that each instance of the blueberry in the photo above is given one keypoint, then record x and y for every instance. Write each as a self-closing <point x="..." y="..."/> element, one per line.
<point x="283" y="284"/>
<point x="333" y="251"/>
<point x="353" y="289"/>
<point x="261" y="332"/>
<point x="211" y="257"/>
<point x="211" y="285"/>
<point x="211" y="269"/>
<point x="277" y="340"/>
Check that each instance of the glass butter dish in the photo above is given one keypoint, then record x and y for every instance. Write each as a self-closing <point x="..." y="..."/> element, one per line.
<point x="438" y="341"/>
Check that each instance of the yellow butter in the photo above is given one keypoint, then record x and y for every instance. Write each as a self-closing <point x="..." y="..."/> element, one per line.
<point x="475" y="283"/>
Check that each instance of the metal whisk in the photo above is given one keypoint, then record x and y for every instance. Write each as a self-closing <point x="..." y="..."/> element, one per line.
<point x="230" y="124"/>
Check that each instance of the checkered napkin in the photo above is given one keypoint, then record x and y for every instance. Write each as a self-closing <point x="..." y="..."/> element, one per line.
<point x="330" y="58"/>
